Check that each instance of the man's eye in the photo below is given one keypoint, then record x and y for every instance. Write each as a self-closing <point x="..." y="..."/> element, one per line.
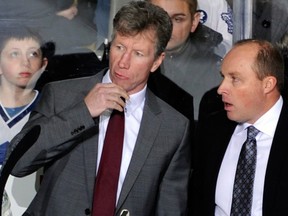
<point x="235" y="79"/>
<point x="119" y="47"/>
<point x="139" y="54"/>
<point x="178" y="19"/>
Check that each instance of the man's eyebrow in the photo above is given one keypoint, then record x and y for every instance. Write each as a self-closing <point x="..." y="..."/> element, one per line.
<point x="231" y="73"/>
<point x="178" y="14"/>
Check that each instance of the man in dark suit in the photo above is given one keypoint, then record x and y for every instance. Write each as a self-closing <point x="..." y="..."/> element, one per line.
<point x="73" y="117"/>
<point x="253" y="76"/>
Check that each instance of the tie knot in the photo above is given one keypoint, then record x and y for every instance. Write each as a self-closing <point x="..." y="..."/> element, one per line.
<point x="116" y="112"/>
<point x="252" y="132"/>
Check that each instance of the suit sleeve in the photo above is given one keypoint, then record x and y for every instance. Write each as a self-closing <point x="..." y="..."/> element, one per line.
<point x="62" y="124"/>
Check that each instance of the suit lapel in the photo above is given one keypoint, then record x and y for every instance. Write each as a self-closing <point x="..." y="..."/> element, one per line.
<point x="277" y="161"/>
<point x="223" y="132"/>
<point x="212" y="141"/>
<point x="147" y="134"/>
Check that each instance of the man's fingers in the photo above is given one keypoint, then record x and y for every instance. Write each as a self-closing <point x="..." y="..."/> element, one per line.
<point x="106" y="96"/>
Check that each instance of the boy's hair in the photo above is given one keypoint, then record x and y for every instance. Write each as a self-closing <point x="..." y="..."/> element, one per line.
<point x="139" y="16"/>
<point x="20" y="32"/>
<point x="193" y="5"/>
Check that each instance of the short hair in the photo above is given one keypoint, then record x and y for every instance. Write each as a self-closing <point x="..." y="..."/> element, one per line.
<point x="21" y="32"/>
<point x="268" y="61"/>
<point x="18" y="32"/>
<point x="193" y="5"/>
<point x="139" y="16"/>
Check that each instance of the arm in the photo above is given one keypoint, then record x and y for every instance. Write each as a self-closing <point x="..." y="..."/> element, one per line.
<point x="67" y="117"/>
<point x="60" y="129"/>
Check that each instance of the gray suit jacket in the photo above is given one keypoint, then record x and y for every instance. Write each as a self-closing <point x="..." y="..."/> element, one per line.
<point x="157" y="178"/>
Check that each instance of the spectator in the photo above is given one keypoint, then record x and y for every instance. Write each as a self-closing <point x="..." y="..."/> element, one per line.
<point x="56" y="20"/>
<point x="218" y="16"/>
<point x="21" y="64"/>
<point x="270" y="20"/>
<point x="190" y="59"/>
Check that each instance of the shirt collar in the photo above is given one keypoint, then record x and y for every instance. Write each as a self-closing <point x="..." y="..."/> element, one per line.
<point x="135" y="99"/>
<point x="266" y="123"/>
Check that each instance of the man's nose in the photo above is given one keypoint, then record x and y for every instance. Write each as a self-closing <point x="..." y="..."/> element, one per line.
<point x="125" y="60"/>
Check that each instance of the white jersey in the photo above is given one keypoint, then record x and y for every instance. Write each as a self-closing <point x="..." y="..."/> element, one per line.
<point x="20" y="191"/>
<point x="217" y="15"/>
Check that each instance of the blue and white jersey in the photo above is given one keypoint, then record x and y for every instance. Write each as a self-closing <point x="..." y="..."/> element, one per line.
<point x="20" y="191"/>
<point x="217" y="14"/>
<point x="10" y="126"/>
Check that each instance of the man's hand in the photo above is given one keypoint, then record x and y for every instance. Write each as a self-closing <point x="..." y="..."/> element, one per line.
<point x="105" y="96"/>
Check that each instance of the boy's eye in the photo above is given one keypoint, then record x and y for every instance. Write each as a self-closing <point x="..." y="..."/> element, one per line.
<point x="14" y="54"/>
<point x="33" y="54"/>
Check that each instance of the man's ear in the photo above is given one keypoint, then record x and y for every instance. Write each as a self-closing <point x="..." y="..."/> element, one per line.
<point x="157" y="62"/>
<point x="270" y="83"/>
<point x="195" y="22"/>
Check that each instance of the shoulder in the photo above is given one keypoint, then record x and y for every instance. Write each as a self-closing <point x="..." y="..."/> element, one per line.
<point x="75" y="84"/>
<point x="206" y="37"/>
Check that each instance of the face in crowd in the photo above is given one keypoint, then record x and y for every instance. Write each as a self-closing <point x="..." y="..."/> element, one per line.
<point x="184" y="18"/>
<point x="21" y="62"/>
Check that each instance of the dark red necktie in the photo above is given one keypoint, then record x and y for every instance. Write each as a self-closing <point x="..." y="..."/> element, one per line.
<point x="106" y="184"/>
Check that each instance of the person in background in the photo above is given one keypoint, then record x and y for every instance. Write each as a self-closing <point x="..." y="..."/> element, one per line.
<point x="253" y="77"/>
<point x="270" y="19"/>
<point x="190" y="59"/>
<point x="59" y="21"/>
<point x="73" y="117"/>
<point x="218" y="16"/>
<point x="21" y="64"/>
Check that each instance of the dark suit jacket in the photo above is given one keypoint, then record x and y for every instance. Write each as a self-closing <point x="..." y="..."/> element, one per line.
<point x="213" y="137"/>
<point x="157" y="178"/>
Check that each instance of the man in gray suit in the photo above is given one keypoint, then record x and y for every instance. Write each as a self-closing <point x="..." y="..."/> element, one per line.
<point x="73" y="117"/>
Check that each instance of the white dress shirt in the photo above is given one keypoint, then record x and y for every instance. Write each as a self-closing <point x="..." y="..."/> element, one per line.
<point x="133" y="115"/>
<point x="225" y="182"/>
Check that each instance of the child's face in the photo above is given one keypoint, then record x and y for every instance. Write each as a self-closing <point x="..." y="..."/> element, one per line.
<point x="21" y="63"/>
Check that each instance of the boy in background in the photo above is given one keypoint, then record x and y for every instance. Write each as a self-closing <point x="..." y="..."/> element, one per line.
<point x="22" y="62"/>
